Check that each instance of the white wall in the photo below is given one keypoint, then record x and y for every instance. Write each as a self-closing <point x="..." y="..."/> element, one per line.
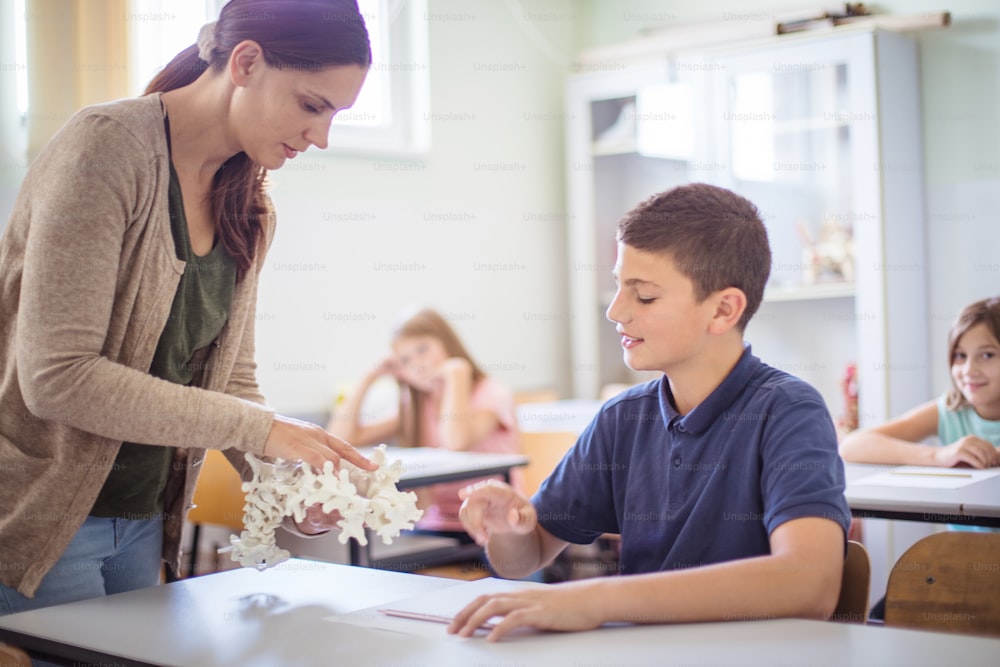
<point x="476" y="229"/>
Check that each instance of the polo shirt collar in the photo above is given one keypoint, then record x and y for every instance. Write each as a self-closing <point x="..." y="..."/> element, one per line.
<point x="712" y="408"/>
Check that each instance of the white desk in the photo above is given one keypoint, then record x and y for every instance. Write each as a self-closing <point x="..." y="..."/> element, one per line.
<point x="975" y="504"/>
<point x="431" y="465"/>
<point x="276" y="618"/>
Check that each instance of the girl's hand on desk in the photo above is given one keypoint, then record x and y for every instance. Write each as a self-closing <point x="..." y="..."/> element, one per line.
<point x="298" y="440"/>
<point x="561" y="607"/>
<point x="968" y="450"/>
<point x="493" y="507"/>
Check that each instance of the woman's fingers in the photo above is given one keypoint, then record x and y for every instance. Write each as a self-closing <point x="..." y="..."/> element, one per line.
<point x="299" y="440"/>
<point x="347" y="451"/>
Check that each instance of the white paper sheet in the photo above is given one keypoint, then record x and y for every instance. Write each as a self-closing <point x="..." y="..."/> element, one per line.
<point x="442" y="604"/>
<point x="927" y="477"/>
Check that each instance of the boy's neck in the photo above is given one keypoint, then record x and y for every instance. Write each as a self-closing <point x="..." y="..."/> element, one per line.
<point x="692" y="382"/>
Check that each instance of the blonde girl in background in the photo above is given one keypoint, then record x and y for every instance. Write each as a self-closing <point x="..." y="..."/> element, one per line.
<point x="445" y="400"/>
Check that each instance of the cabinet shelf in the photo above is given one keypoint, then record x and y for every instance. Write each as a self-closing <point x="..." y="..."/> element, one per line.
<point x="625" y="148"/>
<point x="831" y="290"/>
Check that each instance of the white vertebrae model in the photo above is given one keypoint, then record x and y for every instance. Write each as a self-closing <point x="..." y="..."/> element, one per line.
<point x="288" y="488"/>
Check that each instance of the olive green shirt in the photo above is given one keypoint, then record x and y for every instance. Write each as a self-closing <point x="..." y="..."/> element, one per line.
<point x="134" y="489"/>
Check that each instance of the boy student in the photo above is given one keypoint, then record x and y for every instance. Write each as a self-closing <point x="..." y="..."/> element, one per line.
<point x="722" y="476"/>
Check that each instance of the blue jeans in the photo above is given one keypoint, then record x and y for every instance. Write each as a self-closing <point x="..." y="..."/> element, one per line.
<point x="106" y="556"/>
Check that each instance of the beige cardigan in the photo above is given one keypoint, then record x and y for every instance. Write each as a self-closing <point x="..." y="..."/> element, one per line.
<point x="88" y="272"/>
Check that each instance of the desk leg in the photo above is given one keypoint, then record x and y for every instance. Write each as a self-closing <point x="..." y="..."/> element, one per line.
<point x="192" y="568"/>
<point x="360" y="555"/>
<point x="354" y="552"/>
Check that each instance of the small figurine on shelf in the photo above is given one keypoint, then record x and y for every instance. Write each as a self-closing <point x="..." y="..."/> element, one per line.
<point x="831" y="257"/>
<point x="849" y="384"/>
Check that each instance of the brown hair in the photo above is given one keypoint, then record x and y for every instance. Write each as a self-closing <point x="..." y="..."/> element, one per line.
<point x="715" y="237"/>
<point x="426" y="322"/>
<point x="302" y="34"/>
<point x="986" y="311"/>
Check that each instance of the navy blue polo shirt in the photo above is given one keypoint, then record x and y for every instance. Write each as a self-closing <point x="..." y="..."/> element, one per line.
<point x="701" y="488"/>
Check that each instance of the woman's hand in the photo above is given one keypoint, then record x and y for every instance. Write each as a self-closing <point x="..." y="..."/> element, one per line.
<point x="492" y="507"/>
<point x="563" y="607"/>
<point x="968" y="450"/>
<point x="298" y="440"/>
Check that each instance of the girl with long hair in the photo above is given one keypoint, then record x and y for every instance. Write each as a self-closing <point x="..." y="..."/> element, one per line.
<point x="445" y="400"/>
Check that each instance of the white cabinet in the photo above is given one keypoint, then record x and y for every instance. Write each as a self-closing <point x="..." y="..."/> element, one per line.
<point x="822" y="133"/>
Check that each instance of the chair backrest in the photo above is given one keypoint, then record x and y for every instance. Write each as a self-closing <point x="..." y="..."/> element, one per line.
<point x="536" y="396"/>
<point x="11" y="656"/>
<point x="544" y="450"/>
<point x="852" y="606"/>
<point x="218" y="497"/>
<point x="948" y="581"/>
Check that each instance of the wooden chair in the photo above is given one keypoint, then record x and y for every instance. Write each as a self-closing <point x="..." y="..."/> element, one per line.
<point x="948" y="581"/>
<point x="544" y="450"/>
<point x="11" y="656"/>
<point x="218" y="500"/>
<point x="535" y="396"/>
<point x="852" y="606"/>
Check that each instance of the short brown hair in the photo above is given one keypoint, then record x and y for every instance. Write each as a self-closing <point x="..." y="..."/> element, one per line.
<point x="715" y="237"/>
<point x="986" y="311"/>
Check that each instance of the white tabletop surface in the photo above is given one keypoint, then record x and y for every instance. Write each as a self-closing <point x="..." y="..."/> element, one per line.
<point x="282" y="617"/>
<point x="934" y="505"/>
<point x="422" y="463"/>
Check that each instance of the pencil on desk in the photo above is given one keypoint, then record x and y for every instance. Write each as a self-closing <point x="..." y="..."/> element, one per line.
<point x="433" y="618"/>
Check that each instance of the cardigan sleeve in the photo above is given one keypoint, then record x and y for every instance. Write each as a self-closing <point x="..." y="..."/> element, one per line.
<point x="87" y="187"/>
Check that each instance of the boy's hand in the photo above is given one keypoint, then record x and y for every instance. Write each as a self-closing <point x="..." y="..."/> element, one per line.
<point x="970" y="451"/>
<point x="492" y="507"/>
<point x="563" y="607"/>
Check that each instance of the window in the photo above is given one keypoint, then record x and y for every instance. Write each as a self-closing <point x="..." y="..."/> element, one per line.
<point x="21" y="58"/>
<point x="390" y="115"/>
<point x="159" y="30"/>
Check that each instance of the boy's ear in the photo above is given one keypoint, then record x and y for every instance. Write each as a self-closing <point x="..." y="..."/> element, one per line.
<point x="729" y="306"/>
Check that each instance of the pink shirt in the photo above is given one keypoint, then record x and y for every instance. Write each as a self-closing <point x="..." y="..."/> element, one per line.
<point x="489" y="395"/>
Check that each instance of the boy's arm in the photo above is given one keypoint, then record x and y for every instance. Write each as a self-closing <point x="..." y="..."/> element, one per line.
<point x="800" y="578"/>
<point x="505" y="522"/>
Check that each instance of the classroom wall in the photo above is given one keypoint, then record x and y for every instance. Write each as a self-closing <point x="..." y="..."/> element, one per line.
<point x="476" y="228"/>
